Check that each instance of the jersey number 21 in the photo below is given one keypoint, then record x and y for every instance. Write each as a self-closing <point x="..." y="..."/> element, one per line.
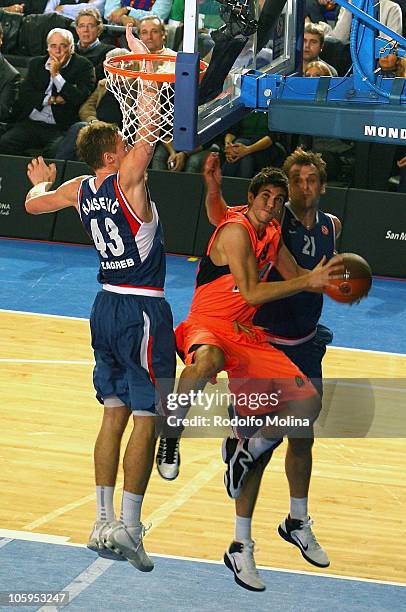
<point x="309" y="247"/>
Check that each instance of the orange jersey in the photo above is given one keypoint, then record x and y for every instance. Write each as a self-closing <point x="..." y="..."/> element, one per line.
<point x="216" y="294"/>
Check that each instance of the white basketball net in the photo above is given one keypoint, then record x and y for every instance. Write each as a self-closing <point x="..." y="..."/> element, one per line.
<point x="155" y="112"/>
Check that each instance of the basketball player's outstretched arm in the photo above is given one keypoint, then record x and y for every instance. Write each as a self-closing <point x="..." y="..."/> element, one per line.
<point x="134" y="44"/>
<point x="233" y="247"/>
<point x="134" y="165"/>
<point x="216" y="206"/>
<point x="40" y="199"/>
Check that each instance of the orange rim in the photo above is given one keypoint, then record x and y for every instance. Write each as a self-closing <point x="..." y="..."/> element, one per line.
<point x="160" y="77"/>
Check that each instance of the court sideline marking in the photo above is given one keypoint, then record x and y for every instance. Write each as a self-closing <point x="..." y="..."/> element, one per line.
<point x="180" y="366"/>
<point x="53" y="316"/>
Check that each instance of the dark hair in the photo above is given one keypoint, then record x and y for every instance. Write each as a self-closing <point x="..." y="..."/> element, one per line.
<point x="312" y="28"/>
<point x="1" y="30"/>
<point x="95" y="139"/>
<point x="268" y="176"/>
<point x="301" y="157"/>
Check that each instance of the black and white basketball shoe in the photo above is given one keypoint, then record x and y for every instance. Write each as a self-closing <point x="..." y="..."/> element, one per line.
<point x="301" y="535"/>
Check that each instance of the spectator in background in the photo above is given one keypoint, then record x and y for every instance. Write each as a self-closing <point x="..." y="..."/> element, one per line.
<point x="390" y="14"/>
<point x="247" y="150"/>
<point x="89" y="26"/>
<point x="166" y="158"/>
<point x="317" y="69"/>
<point x="50" y="97"/>
<point x="151" y="31"/>
<point x="320" y="10"/>
<point x="123" y="12"/>
<point x="313" y="41"/>
<point x="9" y="85"/>
<point x="100" y="106"/>
<point x="392" y="66"/>
<point x="71" y="9"/>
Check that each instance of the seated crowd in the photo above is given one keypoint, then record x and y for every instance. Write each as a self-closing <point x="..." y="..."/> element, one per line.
<point x="43" y="111"/>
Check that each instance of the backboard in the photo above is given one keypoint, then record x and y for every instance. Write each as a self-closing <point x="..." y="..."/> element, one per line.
<point x="195" y="125"/>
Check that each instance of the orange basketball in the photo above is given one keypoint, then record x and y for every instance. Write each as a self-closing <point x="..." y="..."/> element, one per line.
<point x="356" y="281"/>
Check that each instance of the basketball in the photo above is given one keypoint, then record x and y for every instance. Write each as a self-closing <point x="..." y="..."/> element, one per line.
<point x="356" y="281"/>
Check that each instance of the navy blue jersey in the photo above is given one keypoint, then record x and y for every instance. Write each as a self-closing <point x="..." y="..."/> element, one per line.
<point x="131" y="252"/>
<point x="293" y="319"/>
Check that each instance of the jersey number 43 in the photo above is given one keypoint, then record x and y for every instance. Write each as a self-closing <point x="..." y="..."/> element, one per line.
<point x="115" y="246"/>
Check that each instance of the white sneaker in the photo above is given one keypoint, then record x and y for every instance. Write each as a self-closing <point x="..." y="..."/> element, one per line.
<point x="239" y="461"/>
<point x="239" y="558"/>
<point x="128" y="541"/>
<point x="168" y="458"/>
<point x="301" y="535"/>
<point x="95" y="542"/>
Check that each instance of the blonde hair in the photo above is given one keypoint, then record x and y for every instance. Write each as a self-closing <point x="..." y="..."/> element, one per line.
<point x="94" y="140"/>
<point x="323" y="68"/>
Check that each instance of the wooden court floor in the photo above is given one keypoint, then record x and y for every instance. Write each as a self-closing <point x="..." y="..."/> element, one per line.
<point x="50" y="420"/>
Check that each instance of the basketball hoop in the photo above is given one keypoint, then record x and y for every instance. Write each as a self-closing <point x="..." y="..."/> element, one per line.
<point x="152" y="77"/>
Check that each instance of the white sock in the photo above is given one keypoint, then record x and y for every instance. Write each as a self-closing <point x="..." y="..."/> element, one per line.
<point x="104" y="503"/>
<point x="242" y="528"/>
<point x="131" y="509"/>
<point x="258" y="446"/>
<point x="298" y="508"/>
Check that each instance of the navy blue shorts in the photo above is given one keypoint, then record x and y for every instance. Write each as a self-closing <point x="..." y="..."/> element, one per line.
<point x="134" y="349"/>
<point x="309" y="355"/>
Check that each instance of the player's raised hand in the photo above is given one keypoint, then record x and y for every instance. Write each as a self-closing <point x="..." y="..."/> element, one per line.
<point x="320" y="276"/>
<point x="211" y="170"/>
<point x="135" y="44"/>
<point x="39" y="172"/>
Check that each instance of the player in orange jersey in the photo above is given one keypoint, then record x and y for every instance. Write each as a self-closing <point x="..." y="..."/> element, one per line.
<point x="218" y="333"/>
<point x="292" y="326"/>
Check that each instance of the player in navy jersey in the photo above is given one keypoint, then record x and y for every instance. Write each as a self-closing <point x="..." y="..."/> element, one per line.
<point x="293" y="327"/>
<point x="131" y="322"/>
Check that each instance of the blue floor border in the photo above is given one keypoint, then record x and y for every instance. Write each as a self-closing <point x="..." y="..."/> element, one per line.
<point x="180" y="584"/>
<point x="61" y="279"/>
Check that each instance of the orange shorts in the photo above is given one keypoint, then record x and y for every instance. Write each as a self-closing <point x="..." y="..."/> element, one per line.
<point x="253" y="365"/>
